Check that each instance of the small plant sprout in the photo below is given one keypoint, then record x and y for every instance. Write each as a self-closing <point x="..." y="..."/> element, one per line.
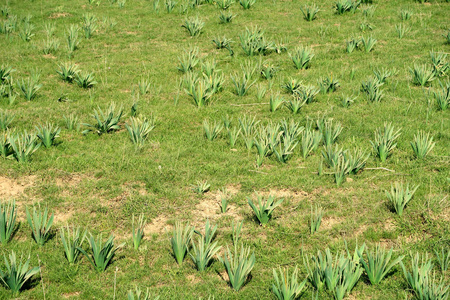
<point x="224" y="196"/>
<point x="378" y="263"/>
<point x="40" y="223"/>
<point x="422" y="144"/>
<point x="140" y="295"/>
<point x="188" y="60"/>
<point x="401" y="30"/>
<point x="194" y="26"/>
<point x="201" y="187"/>
<point x="368" y="43"/>
<point x="72" y="38"/>
<point x="72" y="122"/>
<point x="310" y="12"/>
<point x="330" y="131"/>
<point x="287" y="287"/>
<point x="260" y="92"/>
<point x="340" y="170"/>
<point x="85" y="80"/>
<point x="106" y="121"/>
<point x="346" y="101"/>
<point x="315" y="219"/>
<point x="17" y="273"/>
<point x="89" y="24"/>
<point x="301" y="57"/>
<point x="7" y="221"/>
<point x="241" y="85"/>
<point x="329" y="85"/>
<point x="385" y="141"/>
<point x="236" y="231"/>
<point x="23" y="146"/>
<point x="442" y="97"/>
<point x="238" y="265"/>
<point x="443" y="258"/>
<point x="265" y="209"/>
<point x="101" y="254"/>
<point x="138" y="231"/>
<point x="68" y="72"/>
<point x="139" y="129"/>
<point x="212" y="130"/>
<point x="310" y="141"/>
<point x="226" y="17"/>
<point x="47" y="134"/>
<point x="422" y="75"/>
<point x="246" y="4"/>
<point x="233" y="135"/>
<point x="6" y="119"/>
<point x="439" y="63"/>
<point x="405" y="14"/>
<point x="180" y="240"/>
<point x="29" y="87"/>
<point x="399" y="196"/>
<point x="351" y="44"/>
<point x="72" y="240"/>
<point x="275" y="102"/>
<point x="224" y="4"/>
<point x="204" y="250"/>
<point x="170" y="5"/>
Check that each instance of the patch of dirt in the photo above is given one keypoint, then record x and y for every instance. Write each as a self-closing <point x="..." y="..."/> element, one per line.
<point x="193" y="279"/>
<point x="10" y="188"/>
<point x="233" y="189"/>
<point x="69" y="181"/>
<point x="157" y="225"/>
<point x="62" y="217"/>
<point x="57" y="15"/>
<point x="70" y="295"/>
<point x="329" y="222"/>
<point x="49" y="56"/>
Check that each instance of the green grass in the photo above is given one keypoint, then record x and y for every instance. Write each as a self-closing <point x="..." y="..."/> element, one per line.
<point x="99" y="182"/>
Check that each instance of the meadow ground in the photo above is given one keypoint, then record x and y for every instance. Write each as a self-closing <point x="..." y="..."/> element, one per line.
<point x="99" y="181"/>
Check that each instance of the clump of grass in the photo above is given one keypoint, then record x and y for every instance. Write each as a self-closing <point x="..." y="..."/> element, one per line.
<point x="224" y="4"/>
<point x="224" y="196"/>
<point x="253" y="42"/>
<point x="85" y="80"/>
<point x="23" y="146"/>
<point x="301" y="57"/>
<point x="137" y="232"/>
<point x="72" y="39"/>
<point x="378" y="263"/>
<point x="72" y="122"/>
<point x="6" y="119"/>
<point x="17" y="273"/>
<point x="310" y="141"/>
<point x="47" y="134"/>
<point x="7" y="221"/>
<point x="405" y="14"/>
<point x="383" y="74"/>
<point x="182" y="236"/>
<point x="442" y="97"/>
<point x="292" y="85"/>
<point x="275" y="102"/>
<point x="315" y="219"/>
<point x="238" y="265"/>
<point x="399" y="196"/>
<point x="294" y="104"/>
<point x="352" y="44"/>
<point x="139" y="129"/>
<point x="68" y="72"/>
<point x="265" y="209"/>
<point x="422" y="75"/>
<point x="200" y="91"/>
<point x="89" y="24"/>
<point x="30" y="87"/>
<point x="101" y="254"/>
<point x="268" y="71"/>
<point x="40" y="223"/>
<point x="241" y="85"/>
<point x="346" y="101"/>
<point x="170" y="5"/>
<point x="343" y="6"/>
<point x="329" y="85"/>
<point x="310" y="12"/>
<point x="226" y="17"/>
<point x="287" y="287"/>
<point x="72" y="240"/>
<point x="188" y="60"/>
<point x="26" y="31"/>
<point x="203" y="252"/>
<point x="422" y="144"/>
<point x="443" y="258"/>
<point x="193" y="25"/>
<point x="439" y="63"/>
<point x="106" y="121"/>
<point x="51" y="45"/>
<point x="212" y="130"/>
<point x="372" y="88"/>
<point x="385" y="141"/>
<point x="401" y="30"/>
<point x="222" y="42"/>
<point x="247" y="4"/>
<point x="340" y="170"/>
<point x="201" y="187"/>
<point x="369" y="11"/>
<point x="368" y="43"/>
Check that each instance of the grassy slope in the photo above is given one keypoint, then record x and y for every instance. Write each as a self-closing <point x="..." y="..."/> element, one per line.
<point x="115" y="182"/>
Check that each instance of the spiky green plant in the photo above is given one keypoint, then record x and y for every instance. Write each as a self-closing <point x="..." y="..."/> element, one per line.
<point x="330" y="132"/>
<point x="287" y="287"/>
<point x="369" y="11"/>
<point x="200" y="91"/>
<point x="26" y="31"/>
<point x="72" y="240"/>
<point x="331" y="155"/>
<point x="294" y="104"/>
<point x="101" y="255"/>
<point x="260" y="92"/>
<point x="246" y="4"/>
<point x="275" y="102"/>
<point x="340" y="170"/>
<point x="47" y="133"/>
<point x="7" y="221"/>
<point x="372" y="88"/>
<point x="306" y="93"/>
<point x="89" y="24"/>
<point x="329" y="85"/>
<point x="247" y="126"/>
<point x="236" y="231"/>
<point x="268" y="71"/>
<point x="140" y="295"/>
<point x="253" y="42"/>
<point x="50" y="46"/>
<point x="5" y="74"/>
<point x="301" y="57"/>
<point x="442" y="97"/>
<point x="23" y="145"/>
<point x="106" y="121"/>
<point x="238" y="265"/>
<point x="139" y="129"/>
<point x="439" y="63"/>
<point x="405" y="14"/>
<point x="292" y="85"/>
<point x="315" y="219"/>
<point x="137" y="232"/>
<point x="443" y="258"/>
<point x="401" y="30"/>
<point x="6" y="119"/>
<point x="181" y="238"/>
<point x="383" y="74"/>
<point x="346" y="101"/>
<point x="241" y="85"/>
<point x="284" y="150"/>
<point x="422" y="144"/>
<point x="422" y="74"/>
<point x="365" y="26"/>
<point x="351" y="44"/>
<point x="144" y="86"/>
<point x="368" y="43"/>
<point x="203" y="252"/>
<point x="193" y="25"/>
<point x="201" y="187"/>
<point x="222" y="42"/>
<point x="385" y="141"/>
<point x="378" y="263"/>
<point x="399" y="196"/>
<point x="233" y="135"/>
<point x="29" y="87"/>
<point x="343" y="6"/>
<point x="212" y="130"/>
<point x="188" y="60"/>
<point x="447" y="37"/>
<point x="224" y="4"/>
<point x="68" y="71"/>
<point x="72" y="122"/>
<point x="310" y="141"/>
<point x="310" y="12"/>
<point x="85" y="80"/>
<point x="226" y="17"/>
<point x="72" y="38"/>
<point x="265" y="209"/>
<point x="224" y="196"/>
<point x="40" y="223"/>
<point x="17" y="273"/>
<point x="356" y="160"/>
<point x="170" y="5"/>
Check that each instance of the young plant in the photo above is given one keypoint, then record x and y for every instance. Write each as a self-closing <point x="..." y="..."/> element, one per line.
<point x="6" y="119"/>
<point x="23" y="146"/>
<point x="368" y="43"/>
<point x="383" y="74"/>
<point x="260" y="92"/>
<point x="7" y="221"/>
<point x="352" y="44"/>
<point x="68" y="72"/>
<point x="422" y="75"/>
<point x="401" y="30"/>
<point x="222" y="42"/>
<point x="287" y="287"/>
<point x="329" y="85"/>
<point x="422" y="144"/>
<point x="72" y="240"/>
<point x="89" y="24"/>
<point x="226" y="17"/>
<point x="180" y="241"/>
<point x="72" y="38"/>
<point x="201" y="187"/>
<point x="17" y="273"/>
<point x="202" y="253"/>
<point x="400" y="196"/>
<point x="377" y="265"/>
<point x="246" y="4"/>
<point x="47" y="134"/>
<point x="356" y="160"/>
<point x="224" y="4"/>
<point x="294" y="104"/>
<point x="233" y="135"/>
<point x="264" y="210"/>
<point x="188" y="60"/>
<point x="405" y="14"/>
<point x="236" y="231"/>
<point x="51" y="45"/>
<point x="310" y="141"/>
<point x="223" y="201"/>
<point x="443" y="258"/>
<point x="385" y="141"/>
<point x="238" y="266"/>
<point x="85" y="80"/>
<point x="26" y="32"/>
<point x="330" y="132"/>
<point x="316" y="219"/>
<point x="310" y="12"/>
<point x="439" y="63"/>
<point x="369" y="11"/>
<point x="268" y="71"/>
<point x="340" y="170"/>
<point x="101" y="254"/>
<point x="247" y="125"/>
<point x="194" y="26"/>
<point x="241" y="85"/>
<point x="40" y="223"/>
<point x="200" y="91"/>
<point x="442" y="97"/>
<point x="275" y="102"/>
<point x="106" y="122"/>
<point x="346" y="101"/>
<point x="29" y="87"/>
<point x="5" y="74"/>
<point x="140" y="295"/>
<point x="284" y="151"/>
<point x="292" y="85"/>
<point x="72" y="122"/>
<point x="372" y="88"/>
<point x="301" y="57"/>
<point x="139" y="129"/>
<point x="138" y="232"/>
<point x="212" y="130"/>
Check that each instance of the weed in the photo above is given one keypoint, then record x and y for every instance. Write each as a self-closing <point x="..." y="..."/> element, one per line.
<point x="400" y="196"/>
<point x="422" y="144"/>
<point x="265" y="209"/>
<point x="212" y="130"/>
<point x="40" y="223"/>
<point x="17" y="273"/>
<point x="7" y="221"/>
<point x="137" y="232"/>
<point x="287" y="287"/>
<point x="106" y="121"/>
<point x="422" y="75"/>
<point x="385" y="141"/>
<point x="23" y="146"/>
<point x="101" y="254"/>
<point x="180" y="240"/>
<point x="238" y="265"/>
<point x="47" y="134"/>
<point x="301" y="57"/>
<point x="201" y="187"/>
<point x="68" y="72"/>
<point x="72" y="241"/>
<point x="315" y="219"/>
<point x="194" y="26"/>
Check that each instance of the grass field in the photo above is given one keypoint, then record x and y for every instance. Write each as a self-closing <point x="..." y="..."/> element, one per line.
<point x="99" y="181"/>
